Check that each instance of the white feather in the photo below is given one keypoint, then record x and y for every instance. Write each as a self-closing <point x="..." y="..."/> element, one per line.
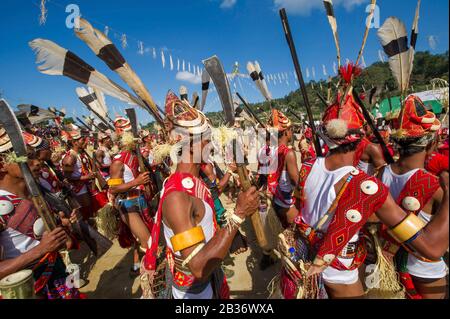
<point x="391" y="30"/>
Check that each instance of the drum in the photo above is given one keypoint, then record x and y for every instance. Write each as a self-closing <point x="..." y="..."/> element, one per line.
<point x="18" y="286"/>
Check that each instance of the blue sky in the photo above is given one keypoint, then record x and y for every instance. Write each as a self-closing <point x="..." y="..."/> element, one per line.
<point x="235" y="30"/>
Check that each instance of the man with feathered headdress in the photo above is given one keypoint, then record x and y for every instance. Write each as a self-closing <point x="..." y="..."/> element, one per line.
<point x="127" y="192"/>
<point x="337" y="200"/>
<point x="418" y="192"/>
<point x="196" y="245"/>
<point x="77" y="168"/>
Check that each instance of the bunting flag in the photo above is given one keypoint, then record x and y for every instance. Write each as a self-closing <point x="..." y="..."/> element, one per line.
<point x="373" y="6"/>
<point x="123" y="41"/>
<point x="324" y="69"/>
<point x="178" y="65"/>
<point x="189" y="67"/>
<point x="313" y="70"/>
<point x="184" y="69"/>
<point x="106" y="31"/>
<point x="163" y="59"/>
<point x="307" y="73"/>
<point x="335" y="68"/>
<point x="154" y="53"/>
<point x="171" y="62"/>
<point x="141" y="48"/>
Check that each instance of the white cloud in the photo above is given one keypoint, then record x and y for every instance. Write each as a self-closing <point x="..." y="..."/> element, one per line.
<point x="226" y="4"/>
<point x="305" y="7"/>
<point x="188" y="77"/>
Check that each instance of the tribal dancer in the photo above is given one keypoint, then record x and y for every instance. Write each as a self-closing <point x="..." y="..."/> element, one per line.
<point x="337" y="200"/>
<point x="77" y="169"/>
<point x="128" y="195"/>
<point x="22" y="236"/>
<point x="418" y="192"/>
<point x="103" y="153"/>
<point x="282" y="181"/>
<point x="196" y="245"/>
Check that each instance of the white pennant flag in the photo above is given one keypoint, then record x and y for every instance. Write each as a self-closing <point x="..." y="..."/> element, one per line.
<point x="141" y="48"/>
<point x="106" y="31"/>
<point x="324" y="69"/>
<point x="163" y="59"/>
<point x="198" y="71"/>
<point x="184" y="69"/>
<point x="189" y="67"/>
<point x="279" y="77"/>
<point x="154" y="53"/>
<point x="307" y="73"/>
<point x="123" y="41"/>
<point x="335" y="68"/>
<point x="171" y="62"/>
<point x="313" y="72"/>
<point x="178" y="64"/>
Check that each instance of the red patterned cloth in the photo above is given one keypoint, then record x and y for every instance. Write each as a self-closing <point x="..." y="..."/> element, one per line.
<point x="193" y="186"/>
<point x="341" y="229"/>
<point x="274" y="179"/>
<point x="360" y="150"/>
<point x="437" y="163"/>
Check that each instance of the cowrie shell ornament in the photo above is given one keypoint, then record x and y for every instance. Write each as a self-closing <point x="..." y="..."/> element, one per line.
<point x="353" y="215"/>
<point x="411" y="204"/>
<point x="329" y="258"/>
<point x="187" y="183"/>
<point x="369" y="187"/>
<point x="6" y="207"/>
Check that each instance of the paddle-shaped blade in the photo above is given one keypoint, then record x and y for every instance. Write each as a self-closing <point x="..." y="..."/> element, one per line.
<point x="215" y="70"/>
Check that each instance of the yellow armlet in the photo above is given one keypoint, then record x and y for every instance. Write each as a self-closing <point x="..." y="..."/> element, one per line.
<point x="410" y="226"/>
<point x="115" y="182"/>
<point x="187" y="239"/>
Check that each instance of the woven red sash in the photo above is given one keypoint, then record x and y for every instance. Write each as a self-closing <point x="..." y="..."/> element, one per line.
<point x="129" y="159"/>
<point x="422" y="186"/>
<point x="341" y="229"/>
<point x="176" y="183"/>
<point x="273" y="179"/>
<point x="360" y="150"/>
<point x="23" y="217"/>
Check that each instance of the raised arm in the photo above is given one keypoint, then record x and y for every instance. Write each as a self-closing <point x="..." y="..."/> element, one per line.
<point x="116" y="184"/>
<point x="178" y="211"/>
<point x="432" y="240"/>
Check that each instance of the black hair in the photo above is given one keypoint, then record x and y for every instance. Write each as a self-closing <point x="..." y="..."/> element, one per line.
<point x="345" y="148"/>
<point x="405" y="147"/>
